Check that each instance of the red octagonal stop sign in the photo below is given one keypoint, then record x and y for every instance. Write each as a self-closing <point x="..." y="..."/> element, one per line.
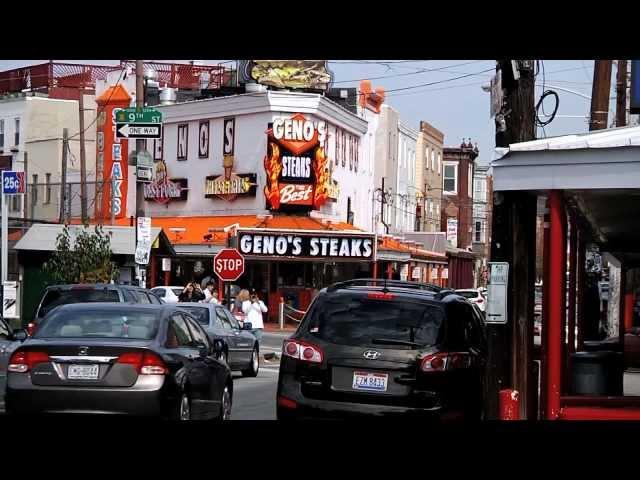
<point x="228" y="264"/>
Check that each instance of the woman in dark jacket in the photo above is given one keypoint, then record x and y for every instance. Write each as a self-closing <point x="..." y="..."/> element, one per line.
<point x="190" y="294"/>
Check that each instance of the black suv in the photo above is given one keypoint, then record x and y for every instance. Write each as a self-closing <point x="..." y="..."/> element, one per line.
<point x="57" y="295"/>
<point x="384" y="348"/>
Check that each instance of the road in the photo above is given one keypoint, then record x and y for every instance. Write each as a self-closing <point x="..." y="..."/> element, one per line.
<point x="255" y="398"/>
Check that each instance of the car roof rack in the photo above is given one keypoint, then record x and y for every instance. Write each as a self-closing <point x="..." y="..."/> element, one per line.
<point x="384" y="283"/>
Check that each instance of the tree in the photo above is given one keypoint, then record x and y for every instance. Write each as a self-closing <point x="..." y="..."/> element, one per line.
<point x="88" y="260"/>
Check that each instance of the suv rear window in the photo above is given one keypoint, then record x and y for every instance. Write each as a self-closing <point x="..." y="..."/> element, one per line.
<point x="54" y="298"/>
<point x="355" y="319"/>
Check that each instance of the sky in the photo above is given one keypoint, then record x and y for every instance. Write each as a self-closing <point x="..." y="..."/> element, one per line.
<point x="450" y="96"/>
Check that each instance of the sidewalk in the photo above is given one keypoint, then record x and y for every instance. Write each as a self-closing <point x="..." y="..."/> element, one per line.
<point x="274" y="327"/>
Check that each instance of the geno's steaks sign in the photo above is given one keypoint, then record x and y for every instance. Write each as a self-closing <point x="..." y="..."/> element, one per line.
<point x="308" y="245"/>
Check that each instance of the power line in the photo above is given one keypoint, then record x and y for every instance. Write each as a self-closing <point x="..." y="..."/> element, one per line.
<point x="424" y="70"/>
<point x="439" y="81"/>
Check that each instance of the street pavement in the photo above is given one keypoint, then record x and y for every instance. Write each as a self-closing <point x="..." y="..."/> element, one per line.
<point x="255" y="398"/>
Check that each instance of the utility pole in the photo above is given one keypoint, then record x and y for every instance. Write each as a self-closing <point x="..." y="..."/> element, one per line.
<point x="600" y="95"/>
<point x="513" y="240"/>
<point x="25" y="201"/>
<point x="83" y="160"/>
<point x="621" y="94"/>
<point x="140" y="146"/>
<point x="63" y="179"/>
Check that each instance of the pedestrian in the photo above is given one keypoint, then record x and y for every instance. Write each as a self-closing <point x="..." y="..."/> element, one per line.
<point x="242" y="297"/>
<point x="190" y="294"/>
<point x="253" y="309"/>
<point x="211" y="294"/>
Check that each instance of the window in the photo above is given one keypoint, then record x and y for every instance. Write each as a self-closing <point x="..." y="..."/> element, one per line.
<point x="178" y="333"/>
<point x="4" y="330"/>
<point x="201" y="314"/>
<point x="439" y="164"/>
<point x="470" y="181"/>
<point x="1" y="133"/>
<point x="55" y="297"/>
<point x="199" y="337"/>
<point x="34" y="195"/>
<point x="96" y="323"/>
<point x="234" y="322"/>
<point x="430" y="208"/>
<point x="450" y="179"/>
<point x="219" y="316"/>
<point x="142" y="297"/>
<point x="160" y="292"/>
<point x="17" y="132"/>
<point x="183" y="140"/>
<point x="426" y="157"/>
<point x="478" y="231"/>
<point x="226" y="323"/>
<point x="47" y="188"/>
<point x="480" y="190"/>
<point x="433" y="160"/>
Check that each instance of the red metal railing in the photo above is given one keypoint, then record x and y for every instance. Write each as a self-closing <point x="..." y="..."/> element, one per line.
<point x="52" y="75"/>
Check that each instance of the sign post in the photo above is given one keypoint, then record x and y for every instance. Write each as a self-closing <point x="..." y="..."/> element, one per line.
<point x="13" y="183"/>
<point x="497" y="292"/>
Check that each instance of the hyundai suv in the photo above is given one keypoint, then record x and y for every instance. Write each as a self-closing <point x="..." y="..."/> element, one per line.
<point x="384" y="348"/>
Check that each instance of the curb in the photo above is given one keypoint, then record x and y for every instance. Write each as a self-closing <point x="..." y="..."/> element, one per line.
<point x="271" y="356"/>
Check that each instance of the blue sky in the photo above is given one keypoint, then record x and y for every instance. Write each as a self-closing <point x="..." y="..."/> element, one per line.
<point x="458" y="107"/>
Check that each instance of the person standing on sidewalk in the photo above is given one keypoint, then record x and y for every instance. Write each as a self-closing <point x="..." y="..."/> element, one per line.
<point x="253" y="309"/>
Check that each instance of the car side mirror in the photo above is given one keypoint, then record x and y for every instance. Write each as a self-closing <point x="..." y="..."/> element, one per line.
<point x="218" y="346"/>
<point x="203" y="349"/>
<point x="20" y="335"/>
<point x="247" y="326"/>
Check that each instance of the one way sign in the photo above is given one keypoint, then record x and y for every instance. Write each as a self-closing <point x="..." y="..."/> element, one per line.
<point x="138" y="130"/>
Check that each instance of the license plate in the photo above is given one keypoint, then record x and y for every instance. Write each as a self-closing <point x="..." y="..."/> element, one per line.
<point x="83" y="372"/>
<point x="370" y="382"/>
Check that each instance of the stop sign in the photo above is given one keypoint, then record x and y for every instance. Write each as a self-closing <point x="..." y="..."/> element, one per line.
<point x="228" y="264"/>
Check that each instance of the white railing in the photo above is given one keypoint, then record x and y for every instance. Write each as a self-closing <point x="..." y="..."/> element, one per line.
<point x="288" y="313"/>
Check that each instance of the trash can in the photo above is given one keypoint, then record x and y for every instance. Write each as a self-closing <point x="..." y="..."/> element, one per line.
<point x="598" y="373"/>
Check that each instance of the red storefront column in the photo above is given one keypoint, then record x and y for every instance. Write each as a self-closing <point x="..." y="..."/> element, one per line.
<point x="628" y="311"/>
<point x="571" y="324"/>
<point x="556" y="280"/>
<point x="582" y="250"/>
<point x="374" y="270"/>
<point x="389" y="271"/>
<point x="154" y="271"/>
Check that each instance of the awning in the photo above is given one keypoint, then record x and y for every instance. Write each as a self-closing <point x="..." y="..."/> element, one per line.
<point x="393" y="256"/>
<point x="42" y="237"/>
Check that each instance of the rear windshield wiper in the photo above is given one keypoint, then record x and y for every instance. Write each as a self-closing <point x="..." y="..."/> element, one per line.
<point x="392" y="341"/>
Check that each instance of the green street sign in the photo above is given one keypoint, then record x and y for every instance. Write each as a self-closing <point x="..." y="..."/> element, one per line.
<point x="138" y="115"/>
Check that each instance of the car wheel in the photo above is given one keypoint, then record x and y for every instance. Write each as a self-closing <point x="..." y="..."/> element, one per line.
<point x="254" y="366"/>
<point x="225" y="405"/>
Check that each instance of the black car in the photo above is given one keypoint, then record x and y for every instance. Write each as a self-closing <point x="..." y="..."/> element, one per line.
<point x="57" y="295"/>
<point x="385" y="348"/>
<point x="124" y="359"/>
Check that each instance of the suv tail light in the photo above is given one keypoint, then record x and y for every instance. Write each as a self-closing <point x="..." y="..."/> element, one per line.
<point x="147" y="363"/>
<point x="380" y="296"/>
<point x="441" y="362"/>
<point x="302" y="351"/>
<point x="25" y="360"/>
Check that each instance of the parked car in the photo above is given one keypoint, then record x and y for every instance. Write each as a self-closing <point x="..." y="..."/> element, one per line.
<point x="9" y="341"/>
<point x="384" y="348"/>
<point x="240" y="350"/>
<point x="57" y="295"/>
<point x="123" y="359"/>
<point x="474" y="296"/>
<point x="167" y="294"/>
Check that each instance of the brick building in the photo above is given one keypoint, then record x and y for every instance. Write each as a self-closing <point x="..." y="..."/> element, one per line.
<point x="457" y="194"/>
